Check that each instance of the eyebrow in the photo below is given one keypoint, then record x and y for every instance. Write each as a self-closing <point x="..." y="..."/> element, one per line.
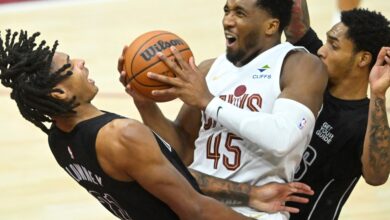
<point x="236" y="8"/>
<point x="68" y="62"/>
<point x="331" y="37"/>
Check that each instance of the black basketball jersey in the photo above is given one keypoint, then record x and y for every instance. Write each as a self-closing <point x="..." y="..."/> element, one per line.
<point x="331" y="164"/>
<point x="75" y="152"/>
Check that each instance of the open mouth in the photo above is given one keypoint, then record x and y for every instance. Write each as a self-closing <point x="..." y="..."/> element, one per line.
<point x="230" y="39"/>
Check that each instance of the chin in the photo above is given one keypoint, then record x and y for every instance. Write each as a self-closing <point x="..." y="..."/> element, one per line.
<point x="234" y="57"/>
<point x="231" y="55"/>
<point x="94" y="94"/>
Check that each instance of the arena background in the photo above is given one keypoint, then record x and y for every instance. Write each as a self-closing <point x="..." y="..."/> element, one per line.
<point x="32" y="185"/>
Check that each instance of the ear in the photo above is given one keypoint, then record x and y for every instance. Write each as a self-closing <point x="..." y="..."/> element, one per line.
<point x="59" y="93"/>
<point x="272" y="26"/>
<point x="364" y="59"/>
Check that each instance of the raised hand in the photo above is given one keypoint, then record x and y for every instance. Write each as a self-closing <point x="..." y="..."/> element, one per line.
<point x="137" y="98"/>
<point x="273" y="196"/>
<point x="299" y="23"/>
<point x="380" y="73"/>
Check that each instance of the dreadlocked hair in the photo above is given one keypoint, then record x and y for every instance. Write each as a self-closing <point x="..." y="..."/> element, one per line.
<point x="25" y="68"/>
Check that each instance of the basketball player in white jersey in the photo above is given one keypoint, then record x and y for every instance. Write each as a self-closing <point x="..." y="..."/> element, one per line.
<point x="253" y="114"/>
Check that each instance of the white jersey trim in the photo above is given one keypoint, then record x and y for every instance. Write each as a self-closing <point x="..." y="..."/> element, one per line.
<point x="319" y="198"/>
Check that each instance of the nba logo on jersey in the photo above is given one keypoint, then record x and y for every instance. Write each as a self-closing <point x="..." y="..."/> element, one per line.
<point x="302" y="124"/>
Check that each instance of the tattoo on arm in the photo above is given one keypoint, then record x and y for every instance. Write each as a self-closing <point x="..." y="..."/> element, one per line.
<point x="379" y="137"/>
<point x="300" y="22"/>
<point x="228" y="192"/>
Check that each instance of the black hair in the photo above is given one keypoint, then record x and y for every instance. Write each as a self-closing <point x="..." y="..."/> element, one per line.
<point x="280" y="9"/>
<point x="25" y="68"/>
<point x="368" y="30"/>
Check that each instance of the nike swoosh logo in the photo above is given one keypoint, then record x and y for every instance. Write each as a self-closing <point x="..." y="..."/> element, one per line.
<point x="219" y="108"/>
<point x="217" y="77"/>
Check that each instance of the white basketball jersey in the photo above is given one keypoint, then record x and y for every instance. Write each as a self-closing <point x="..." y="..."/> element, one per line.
<point x="253" y="87"/>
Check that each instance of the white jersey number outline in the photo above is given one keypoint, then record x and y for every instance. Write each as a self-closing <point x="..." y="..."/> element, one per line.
<point x="213" y="151"/>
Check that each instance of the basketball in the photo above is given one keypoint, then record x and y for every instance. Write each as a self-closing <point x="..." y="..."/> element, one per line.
<point x="141" y="57"/>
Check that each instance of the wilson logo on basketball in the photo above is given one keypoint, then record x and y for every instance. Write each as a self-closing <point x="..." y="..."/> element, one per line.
<point x="158" y="47"/>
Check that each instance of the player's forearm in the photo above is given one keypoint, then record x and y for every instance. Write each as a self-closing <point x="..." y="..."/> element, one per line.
<point x="153" y="117"/>
<point x="376" y="151"/>
<point x="228" y="192"/>
<point x="214" y="210"/>
<point x="300" y="22"/>
<point x="288" y="117"/>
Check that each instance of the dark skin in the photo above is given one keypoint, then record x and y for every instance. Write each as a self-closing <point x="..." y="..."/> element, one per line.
<point x="240" y="21"/>
<point x="240" y="18"/>
<point x="270" y="197"/>
<point x="376" y="151"/>
<point x="122" y="139"/>
<point x="349" y="76"/>
<point x="303" y="76"/>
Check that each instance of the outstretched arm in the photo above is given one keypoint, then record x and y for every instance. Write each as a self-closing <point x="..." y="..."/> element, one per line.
<point x="127" y="150"/>
<point x="267" y="198"/>
<point x="376" y="148"/>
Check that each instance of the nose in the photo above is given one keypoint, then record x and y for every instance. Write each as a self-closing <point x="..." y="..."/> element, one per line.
<point x="322" y="52"/>
<point x="81" y="64"/>
<point x="228" y="20"/>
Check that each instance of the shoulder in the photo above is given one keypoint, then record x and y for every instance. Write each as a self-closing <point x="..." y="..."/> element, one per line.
<point x="299" y="65"/>
<point x="205" y="66"/>
<point x="304" y="79"/>
<point x="122" y="145"/>
<point x="126" y="133"/>
<point x="302" y="60"/>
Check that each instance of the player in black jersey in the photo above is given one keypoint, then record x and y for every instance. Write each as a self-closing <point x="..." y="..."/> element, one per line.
<point x="121" y="162"/>
<point x="352" y="136"/>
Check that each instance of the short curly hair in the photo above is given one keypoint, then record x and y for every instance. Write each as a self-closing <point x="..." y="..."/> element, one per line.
<point x="280" y="9"/>
<point x="368" y="30"/>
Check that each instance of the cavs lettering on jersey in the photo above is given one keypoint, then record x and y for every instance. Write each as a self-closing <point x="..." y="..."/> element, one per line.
<point x="253" y="87"/>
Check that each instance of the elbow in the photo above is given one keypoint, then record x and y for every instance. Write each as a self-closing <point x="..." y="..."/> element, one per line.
<point x="280" y="152"/>
<point x="376" y="180"/>
<point x="277" y="149"/>
<point x="197" y="209"/>
<point x="192" y="212"/>
<point x="279" y="146"/>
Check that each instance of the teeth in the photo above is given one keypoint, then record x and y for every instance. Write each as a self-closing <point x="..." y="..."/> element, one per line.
<point x="229" y="36"/>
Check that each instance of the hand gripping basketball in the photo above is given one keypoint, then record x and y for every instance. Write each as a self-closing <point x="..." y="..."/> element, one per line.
<point x="141" y="57"/>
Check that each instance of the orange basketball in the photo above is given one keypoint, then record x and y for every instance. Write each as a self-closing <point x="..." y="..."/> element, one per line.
<point x="141" y="58"/>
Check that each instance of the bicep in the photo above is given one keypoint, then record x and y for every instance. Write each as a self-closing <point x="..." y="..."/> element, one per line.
<point x="188" y="123"/>
<point x="304" y="79"/>
<point x="205" y="66"/>
<point x="150" y="168"/>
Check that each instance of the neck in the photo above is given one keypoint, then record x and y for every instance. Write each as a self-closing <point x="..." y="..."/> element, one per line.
<point x="353" y="88"/>
<point x="268" y="44"/>
<point x="83" y="112"/>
